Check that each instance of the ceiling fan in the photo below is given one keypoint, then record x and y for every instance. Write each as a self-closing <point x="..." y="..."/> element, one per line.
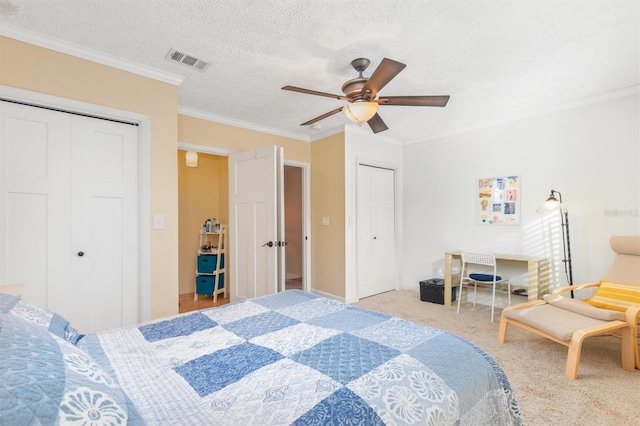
<point x="360" y="93"/>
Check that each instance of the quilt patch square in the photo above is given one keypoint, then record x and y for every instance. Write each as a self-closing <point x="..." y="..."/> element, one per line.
<point x="284" y="299"/>
<point x="286" y="391"/>
<point x="398" y="333"/>
<point x="345" y="357"/>
<point x="260" y="324"/>
<point x="313" y="309"/>
<point x="179" y="350"/>
<point x="349" y="319"/>
<point x="402" y="391"/>
<point x="212" y="372"/>
<point x="179" y="326"/>
<point x="7" y="302"/>
<point x="436" y="354"/>
<point x="343" y="407"/>
<point x="234" y="312"/>
<point x="294" y="339"/>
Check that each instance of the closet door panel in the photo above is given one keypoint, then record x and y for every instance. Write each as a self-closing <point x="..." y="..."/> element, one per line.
<point x="34" y="208"/>
<point x="104" y="213"/>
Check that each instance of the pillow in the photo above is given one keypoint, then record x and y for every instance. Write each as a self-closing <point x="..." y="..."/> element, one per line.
<point x="484" y="277"/>
<point x="46" y="319"/>
<point x="582" y="308"/>
<point x="47" y="380"/>
<point x="615" y="296"/>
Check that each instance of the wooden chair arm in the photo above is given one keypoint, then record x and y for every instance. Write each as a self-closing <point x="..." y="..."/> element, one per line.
<point x="574" y="287"/>
<point x="632" y="315"/>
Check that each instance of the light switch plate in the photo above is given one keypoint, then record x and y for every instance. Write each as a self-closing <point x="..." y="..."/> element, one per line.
<point x="325" y="221"/>
<point x="158" y="221"/>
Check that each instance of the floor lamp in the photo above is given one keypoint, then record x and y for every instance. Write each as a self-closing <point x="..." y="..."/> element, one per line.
<point x="555" y="204"/>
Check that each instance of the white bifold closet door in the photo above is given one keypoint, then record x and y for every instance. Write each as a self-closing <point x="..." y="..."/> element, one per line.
<point x="69" y="214"/>
<point x="376" y="236"/>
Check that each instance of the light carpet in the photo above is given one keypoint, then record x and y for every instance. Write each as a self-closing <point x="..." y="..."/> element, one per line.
<point x="604" y="393"/>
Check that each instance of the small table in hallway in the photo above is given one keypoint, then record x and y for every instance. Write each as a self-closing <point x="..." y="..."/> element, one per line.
<point x="538" y="270"/>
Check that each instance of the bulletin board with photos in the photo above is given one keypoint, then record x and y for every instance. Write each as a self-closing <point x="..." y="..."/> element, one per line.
<point x="498" y="200"/>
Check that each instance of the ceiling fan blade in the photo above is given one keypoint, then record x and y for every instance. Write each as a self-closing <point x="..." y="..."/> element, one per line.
<point x="322" y="117"/>
<point x="377" y="124"/>
<point x="436" y="101"/>
<point x="385" y="72"/>
<point x="313" y="92"/>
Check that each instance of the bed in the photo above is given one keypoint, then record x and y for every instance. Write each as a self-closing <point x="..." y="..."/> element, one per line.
<point x="288" y="358"/>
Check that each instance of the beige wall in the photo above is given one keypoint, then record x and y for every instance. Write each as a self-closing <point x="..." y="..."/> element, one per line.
<point x="327" y="200"/>
<point x="33" y="68"/>
<point x="209" y="133"/>
<point x="37" y="69"/>
<point x="203" y="193"/>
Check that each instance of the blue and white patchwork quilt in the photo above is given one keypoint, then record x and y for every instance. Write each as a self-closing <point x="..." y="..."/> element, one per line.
<point x="288" y="358"/>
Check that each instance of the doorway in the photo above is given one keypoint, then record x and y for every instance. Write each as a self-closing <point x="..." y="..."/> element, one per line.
<point x="297" y="213"/>
<point x="294" y="227"/>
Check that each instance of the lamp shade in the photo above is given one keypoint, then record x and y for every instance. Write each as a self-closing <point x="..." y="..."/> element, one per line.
<point x="360" y="112"/>
<point x="551" y="205"/>
<point x="191" y="158"/>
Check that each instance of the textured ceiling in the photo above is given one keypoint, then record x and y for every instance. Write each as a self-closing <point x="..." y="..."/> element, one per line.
<point x="498" y="59"/>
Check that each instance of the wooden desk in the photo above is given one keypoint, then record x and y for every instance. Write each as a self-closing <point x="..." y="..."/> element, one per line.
<point x="537" y="274"/>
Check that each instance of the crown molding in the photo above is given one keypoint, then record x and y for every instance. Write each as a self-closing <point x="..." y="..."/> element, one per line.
<point x="186" y="146"/>
<point x="239" y="123"/>
<point x="589" y="100"/>
<point x="62" y="46"/>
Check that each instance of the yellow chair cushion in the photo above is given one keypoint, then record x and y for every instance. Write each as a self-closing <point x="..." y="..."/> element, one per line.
<point x="615" y="296"/>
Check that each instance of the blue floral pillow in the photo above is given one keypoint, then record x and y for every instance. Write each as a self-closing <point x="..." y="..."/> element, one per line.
<point x="51" y="321"/>
<point x="46" y="380"/>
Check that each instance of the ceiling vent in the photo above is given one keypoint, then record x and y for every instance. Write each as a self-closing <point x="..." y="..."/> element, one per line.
<point x="175" y="55"/>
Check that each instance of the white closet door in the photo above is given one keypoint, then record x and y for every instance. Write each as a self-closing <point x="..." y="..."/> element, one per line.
<point x="376" y="263"/>
<point x="34" y="213"/>
<point x="69" y="185"/>
<point x="104" y="217"/>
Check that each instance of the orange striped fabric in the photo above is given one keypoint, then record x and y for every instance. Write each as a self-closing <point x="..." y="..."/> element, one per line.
<point x="615" y="296"/>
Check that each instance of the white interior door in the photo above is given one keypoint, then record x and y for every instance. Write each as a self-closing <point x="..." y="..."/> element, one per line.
<point x="253" y="216"/>
<point x="69" y="185"/>
<point x="376" y="263"/>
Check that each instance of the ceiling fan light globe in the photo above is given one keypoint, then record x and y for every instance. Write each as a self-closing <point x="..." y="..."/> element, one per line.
<point x="360" y="112"/>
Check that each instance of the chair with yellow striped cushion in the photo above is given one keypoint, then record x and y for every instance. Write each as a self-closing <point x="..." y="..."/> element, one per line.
<point x="614" y="309"/>
<point x="615" y="296"/>
<point x="618" y="297"/>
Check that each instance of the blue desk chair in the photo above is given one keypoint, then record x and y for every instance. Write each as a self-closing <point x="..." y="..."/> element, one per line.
<point x="473" y="279"/>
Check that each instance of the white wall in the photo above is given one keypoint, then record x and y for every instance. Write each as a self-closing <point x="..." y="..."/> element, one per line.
<point x="589" y="153"/>
<point x="362" y="146"/>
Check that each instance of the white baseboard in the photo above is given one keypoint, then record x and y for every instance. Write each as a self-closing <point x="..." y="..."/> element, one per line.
<point x="327" y="295"/>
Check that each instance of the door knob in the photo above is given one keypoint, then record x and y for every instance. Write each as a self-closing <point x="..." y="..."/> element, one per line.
<point x="80" y="253"/>
<point x="270" y="244"/>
